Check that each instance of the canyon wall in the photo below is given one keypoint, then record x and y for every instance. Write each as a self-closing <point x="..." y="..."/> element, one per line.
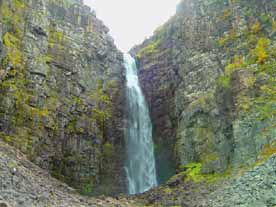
<point x="208" y="75"/>
<point x="62" y="92"/>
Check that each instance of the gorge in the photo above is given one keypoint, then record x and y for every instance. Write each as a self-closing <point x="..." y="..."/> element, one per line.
<point x="192" y="109"/>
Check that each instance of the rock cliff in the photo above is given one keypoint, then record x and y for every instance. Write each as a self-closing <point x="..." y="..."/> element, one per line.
<point x="209" y="78"/>
<point x="61" y="92"/>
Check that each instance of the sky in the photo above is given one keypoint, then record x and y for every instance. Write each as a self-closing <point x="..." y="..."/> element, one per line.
<point x="131" y="21"/>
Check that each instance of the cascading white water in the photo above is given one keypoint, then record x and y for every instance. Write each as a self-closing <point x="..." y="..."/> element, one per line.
<point x="140" y="165"/>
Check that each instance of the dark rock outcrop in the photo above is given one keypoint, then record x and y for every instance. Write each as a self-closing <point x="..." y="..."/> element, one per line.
<point x="61" y="92"/>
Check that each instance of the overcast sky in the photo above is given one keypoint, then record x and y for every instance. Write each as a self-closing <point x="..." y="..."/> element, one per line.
<point x="131" y="21"/>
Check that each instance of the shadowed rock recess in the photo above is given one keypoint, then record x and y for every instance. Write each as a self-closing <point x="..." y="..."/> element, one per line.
<point x="208" y="76"/>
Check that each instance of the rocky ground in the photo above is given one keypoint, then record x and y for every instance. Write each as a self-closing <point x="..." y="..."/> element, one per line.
<point x="178" y="193"/>
<point x="255" y="188"/>
<point x="24" y="184"/>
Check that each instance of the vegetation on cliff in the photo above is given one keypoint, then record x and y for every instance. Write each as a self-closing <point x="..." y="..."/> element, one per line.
<point x="215" y="61"/>
<point x="61" y="91"/>
<point x="209" y="78"/>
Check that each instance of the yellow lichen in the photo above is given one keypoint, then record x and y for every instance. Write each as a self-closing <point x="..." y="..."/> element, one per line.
<point x="237" y="63"/>
<point x="260" y="50"/>
<point x="257" y="27"/>
<point x="273" y="25"/>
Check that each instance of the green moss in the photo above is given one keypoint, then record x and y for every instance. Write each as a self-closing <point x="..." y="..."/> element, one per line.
<point x="12" y="73"/>
<point x="20" y="138"/>
<point x="12" y="16"/>
<point x="24" y="117"/>
<point x="257" y="27"/>
<point x="149" y="49"/>
<point x="224" y="81"/>
<point x="226" y="15"/>
<point x="38" y="112"/>
<point x="7" y="139"/>
<point x="267" y="152"/>
<point x="192" y="172"/>
<point x="167" y="190"/>
<point x="77" y="100"/>
<point x="52" y="101"/>
<point x="12" y="164"/>
<point x="19" y="5"/>
<point x="237" y="63"/>
<point x="56" y="39"/>
<point x="87" y="189"/>
<point x="14" y="55"/>
<point x="222" y="41"/>
<point x="57" y="36"/>
<point x="265" y="105"/>
<point x="56" y="170"/>
<point x="71" y="127"/>
<point x="209" y="157"/>
<point x="112" y="87"/>
<point x="228" y="38"/>
<point x="102" y="111"/>
<point x="205" y="101"/>
<point x="108" y="150"/>
<point x="202" y="133"/>
<point x="273" y="26"/>
<point x="244" y="103"/>
<point x="46" y="59"/>
<point x="5" y="12"/>
<point x="11" y="41"/>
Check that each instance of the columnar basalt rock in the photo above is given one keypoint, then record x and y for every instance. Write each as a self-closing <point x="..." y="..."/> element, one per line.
<point x="62" y="92"/>
<point x="201" y="73"/>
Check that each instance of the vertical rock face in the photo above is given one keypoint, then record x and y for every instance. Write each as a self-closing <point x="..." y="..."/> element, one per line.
<point x="62" y="88"/>
<point x="208" y="76"/>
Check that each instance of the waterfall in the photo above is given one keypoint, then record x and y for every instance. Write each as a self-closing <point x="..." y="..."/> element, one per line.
<point x="140" y="165"/>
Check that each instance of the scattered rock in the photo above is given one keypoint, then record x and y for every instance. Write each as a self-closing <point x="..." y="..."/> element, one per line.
<point x="32" y="186"/>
